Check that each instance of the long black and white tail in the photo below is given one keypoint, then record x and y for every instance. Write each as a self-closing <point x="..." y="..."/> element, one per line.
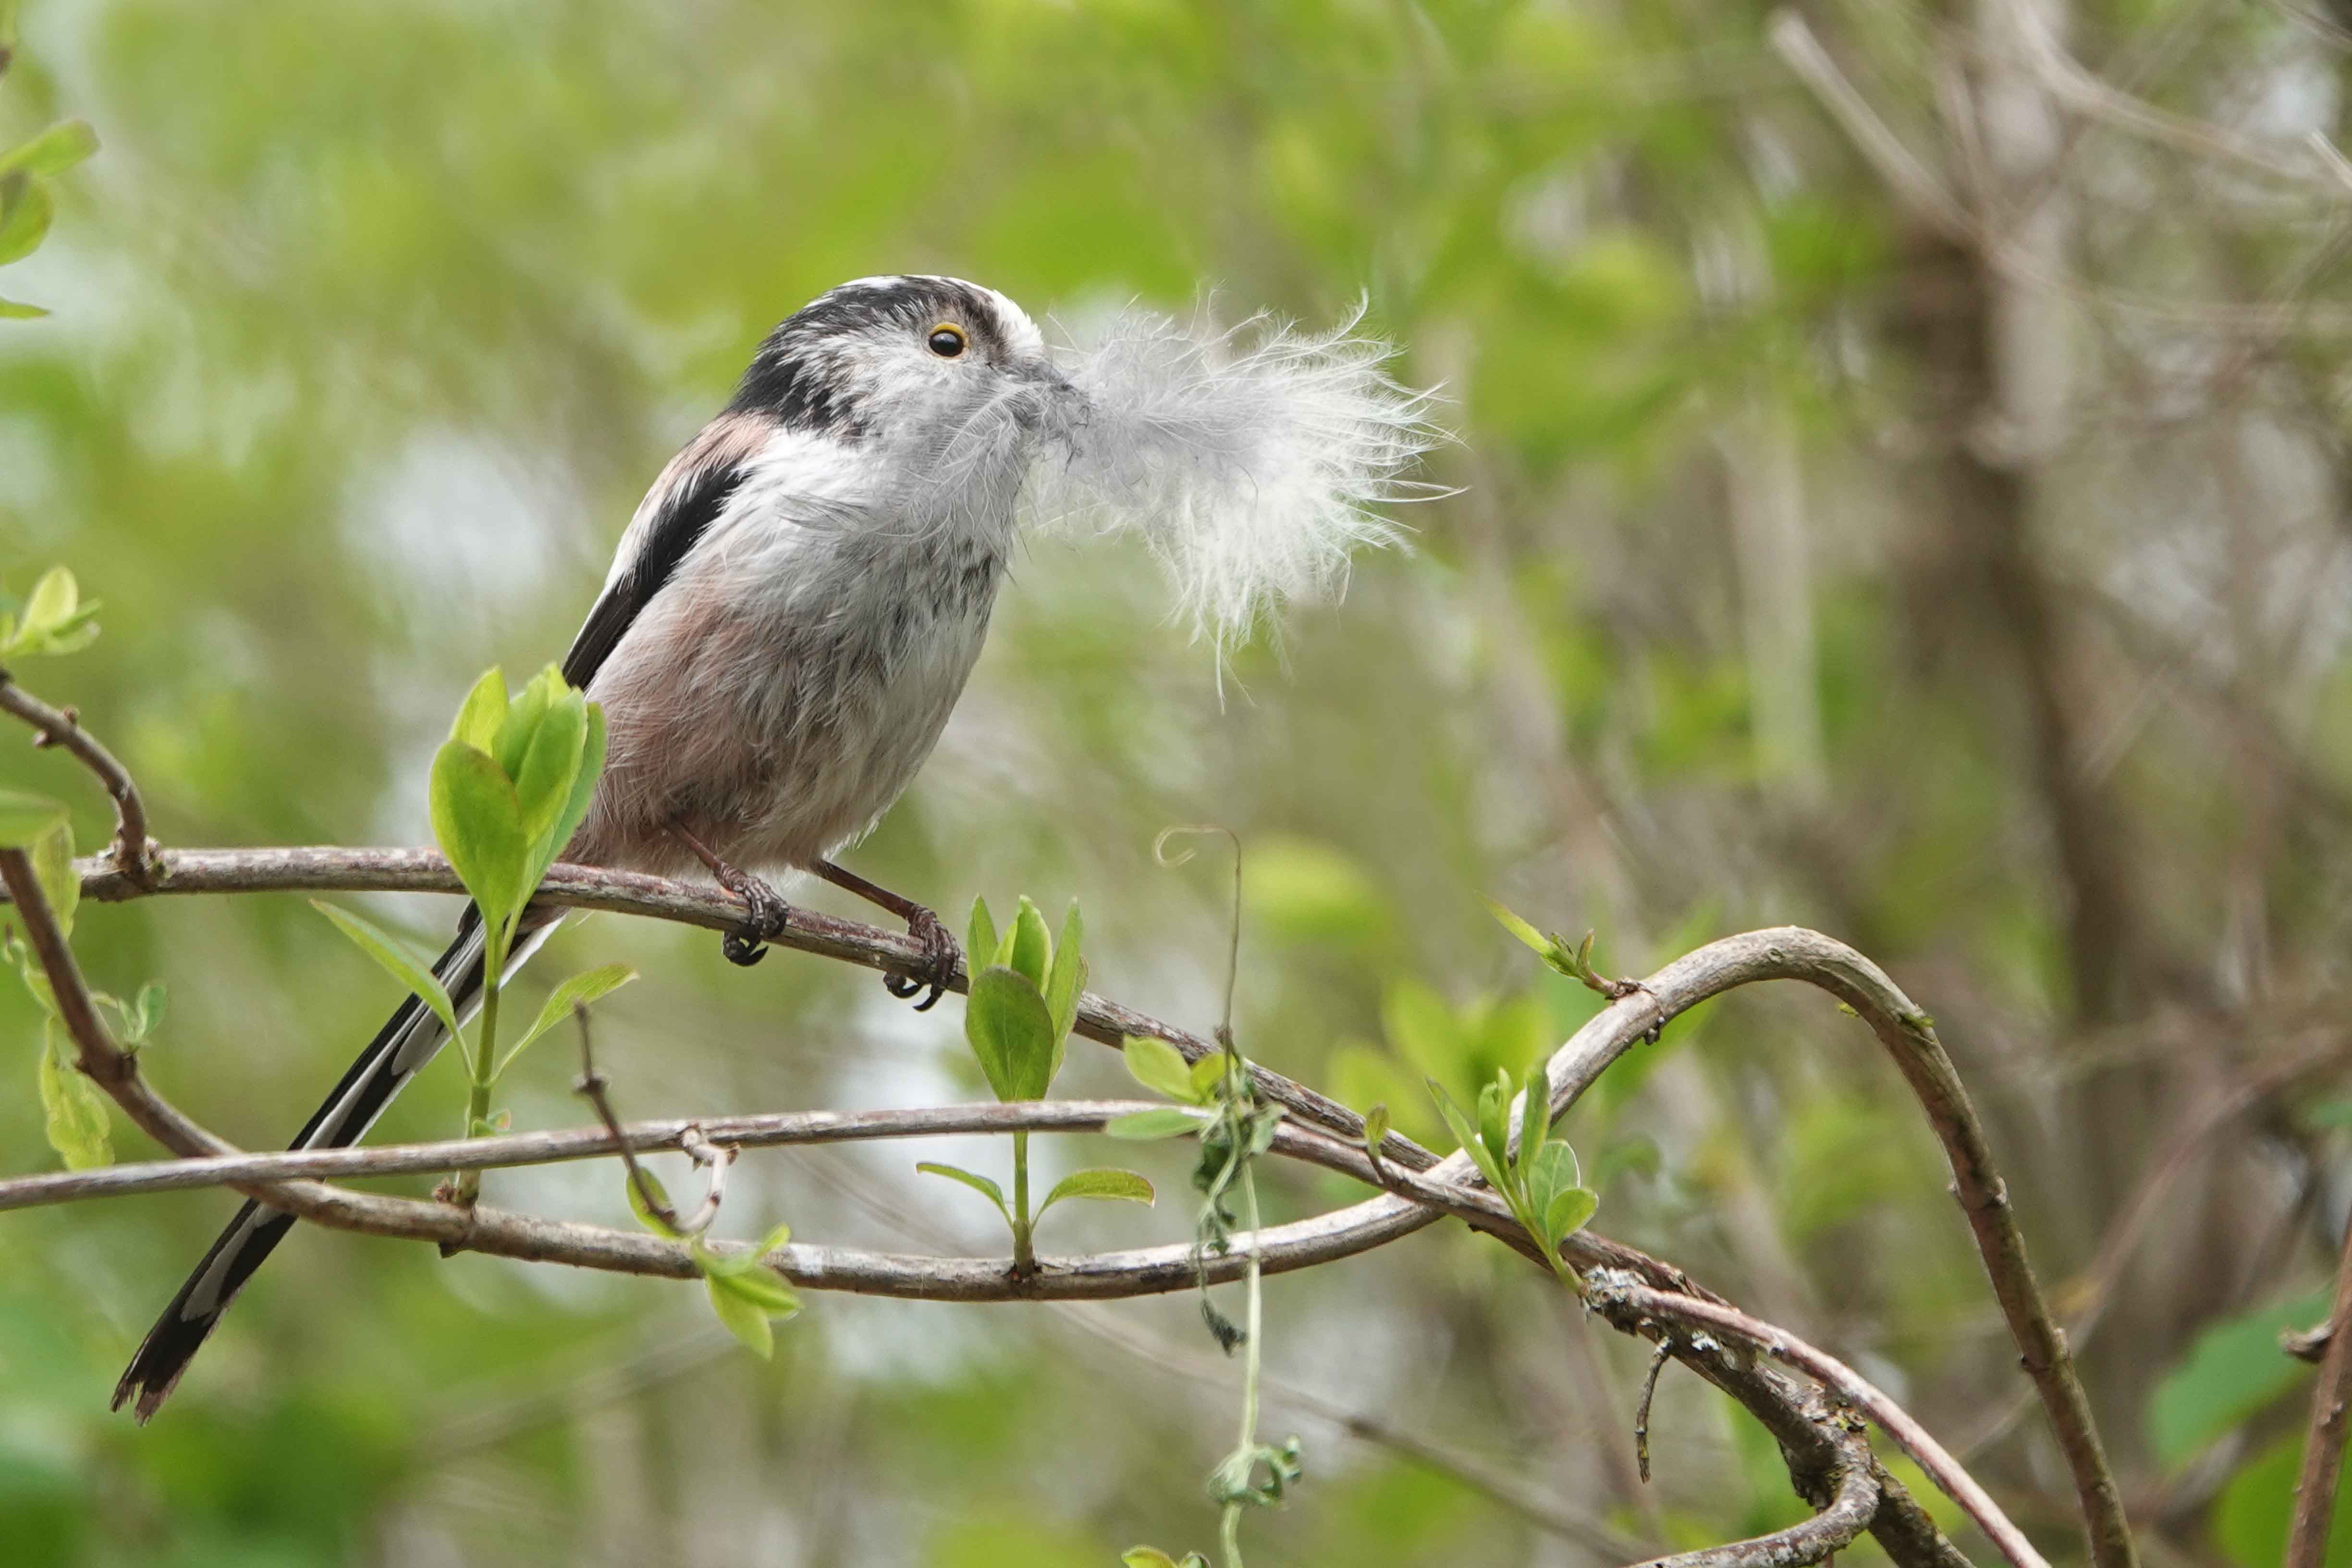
<point x="408" y="1040"/>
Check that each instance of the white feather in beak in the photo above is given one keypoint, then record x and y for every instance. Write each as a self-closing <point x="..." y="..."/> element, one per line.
<point x="1250" y="459"/>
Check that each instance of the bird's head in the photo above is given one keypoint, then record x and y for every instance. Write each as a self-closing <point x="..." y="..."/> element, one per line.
<point x="928" y="368"/>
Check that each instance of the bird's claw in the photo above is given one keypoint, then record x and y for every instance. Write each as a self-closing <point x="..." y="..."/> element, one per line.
<point x="770" y="917"/>
<point x="941" y="955"/>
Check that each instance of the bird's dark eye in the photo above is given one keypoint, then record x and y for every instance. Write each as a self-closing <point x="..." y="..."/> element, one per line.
<point x="947" y="341"/>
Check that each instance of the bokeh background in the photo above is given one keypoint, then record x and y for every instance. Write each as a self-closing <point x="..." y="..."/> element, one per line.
<point x="1901" y="490"/>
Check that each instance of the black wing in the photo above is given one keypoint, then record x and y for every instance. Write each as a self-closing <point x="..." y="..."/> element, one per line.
<point x="684" y="515"/>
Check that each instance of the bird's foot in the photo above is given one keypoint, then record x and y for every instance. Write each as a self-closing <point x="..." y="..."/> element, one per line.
<point x="942" y="956"/>
<point x="770" y="916"/>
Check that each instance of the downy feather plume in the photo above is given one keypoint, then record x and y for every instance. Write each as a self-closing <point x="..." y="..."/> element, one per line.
<point x="1248" y="458"/>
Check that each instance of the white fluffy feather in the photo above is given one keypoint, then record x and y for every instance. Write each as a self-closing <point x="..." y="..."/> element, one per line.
<point x="1249" y="459"/>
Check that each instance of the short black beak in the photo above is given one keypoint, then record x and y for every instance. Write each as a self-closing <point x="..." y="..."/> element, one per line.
<point x="1040" y="371"/>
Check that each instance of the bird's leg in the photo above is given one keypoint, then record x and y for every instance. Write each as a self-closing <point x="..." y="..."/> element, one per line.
<point x="771" y="916"/>
<point x="940" y="954"/>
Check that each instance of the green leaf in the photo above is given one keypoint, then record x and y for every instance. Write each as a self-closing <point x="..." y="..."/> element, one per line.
<point x="551" y="764"/>
<point x="637" y="1187"/>
<point x="2336" y="1112"/>
<point x="74" y="1109"/>
<point x="54" y="151"/>
<point x="26" y="211"/>
<point x="1521" y="929"/>
<point x="1161" y="1068"/>
<point x="17" y="310"/>
<point x="53" y="867"/>
<point x="1207" y="1077"/>
<point x="1261" y="1130"/>
<point x="760" y="1286"/>
<point x="28" y="969"/>
<point x="396" y="959"/>
<point x="523" y="716"/>
<point x="53" y="600"/>
<point x="741" y="1316"/>
<point x="2230" y="1373"/>
<point x="1494" y="1105"/>
<point x="1011" y="1033"/>
<point x="24" y="818"/>
<point x="1110" y="1185"/>
<point x="1535" y="1113"/>
<point x="1376" y="1129"/>
<point x="980" y="933"/>
<point x="56" y="619"/>
<point x="1553" y="1171"/>
<point x="583" y="989"/>
<point x="972" y="1179"/>
<point x="478" y="821"/>
<point x="1467" y="1136"/>
<point x="734" y="1264"/>
<point x="146" y="1011"/>
<point x="76" y="631"/>
<point x="718" y="1263"/>
<point x="583" y="790"/>
<point x="1140" y="1126"/>
<point x="1569" y="1210"/>
<point x="482" y="713"/>
<point x="2250" y="1519"/>
<point x="1068" y="975"/>
<point x="1033" y="948"/>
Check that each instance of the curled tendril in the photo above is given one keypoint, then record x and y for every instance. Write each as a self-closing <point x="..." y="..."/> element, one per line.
<point x="1233" y="945"/>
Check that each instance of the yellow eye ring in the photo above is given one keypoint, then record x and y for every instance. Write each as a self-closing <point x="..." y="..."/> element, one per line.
<point x="947" y="340"/>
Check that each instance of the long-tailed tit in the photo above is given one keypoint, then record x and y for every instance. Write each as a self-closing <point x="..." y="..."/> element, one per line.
<point x="795" y="606"/>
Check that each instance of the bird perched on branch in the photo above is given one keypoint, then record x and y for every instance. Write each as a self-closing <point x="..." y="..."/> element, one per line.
<point x="793" y="610"/>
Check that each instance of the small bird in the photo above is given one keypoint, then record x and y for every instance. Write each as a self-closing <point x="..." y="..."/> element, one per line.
<point x="795" y="608"/>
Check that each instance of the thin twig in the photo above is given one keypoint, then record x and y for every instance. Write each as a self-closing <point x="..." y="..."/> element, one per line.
<point x="1620" y="1298"/>
<point x="1920" y="188"/>
<point x="593" y="1086"/>
<point x="1854" y="1501"/>
<point x="62" y="727"/>
<point x="97" y="1054"/>
<point x="2308" y="1344"/>
<point x="2065" y="78"/>
<point x="500" y="1150"/>
<point x="2323" y="1447"/>
<point x="1233" y="926"/>
<point x="2093" y="1289"/>
<point x="1658" y="1359"/>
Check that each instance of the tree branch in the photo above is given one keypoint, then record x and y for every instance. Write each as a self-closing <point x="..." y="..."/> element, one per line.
<point x="2322" y="1446"/>
<point x="502" y="1151"/>
<point x="329" y="870"/>
<point x="1791" y="953"/>
<point x="1849" y="1511"/>
<point x="1627" y="1303"/>
<point x="62" y="727"/>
